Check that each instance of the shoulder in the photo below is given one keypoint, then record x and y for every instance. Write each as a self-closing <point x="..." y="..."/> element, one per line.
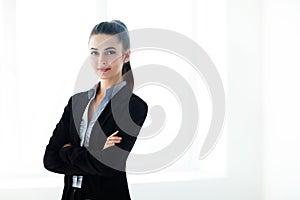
<point x="79" y="96"/>
<point x="138" y="101"/>
<point x="138" y="106"/>
<point x="77" y="99"/>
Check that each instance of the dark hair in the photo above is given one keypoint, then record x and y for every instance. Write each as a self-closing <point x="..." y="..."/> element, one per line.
<point x="116" y="27"/>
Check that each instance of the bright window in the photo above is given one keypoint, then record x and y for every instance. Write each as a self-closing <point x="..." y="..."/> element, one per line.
<point x="43" y="47"/>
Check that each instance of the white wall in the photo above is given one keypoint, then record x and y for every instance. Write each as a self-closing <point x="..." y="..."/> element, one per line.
<point x="281" y="99"/>
<point x="244" y="179"/>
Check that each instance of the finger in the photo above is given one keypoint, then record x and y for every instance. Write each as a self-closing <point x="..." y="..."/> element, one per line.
<point x="111" y="143"/>
<point x="67" y="145"/>
<point x="115" y="133"/>
<point x="114" y="139"/>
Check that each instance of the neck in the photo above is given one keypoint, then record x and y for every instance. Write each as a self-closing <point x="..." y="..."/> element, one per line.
<point x="108" y="83"/>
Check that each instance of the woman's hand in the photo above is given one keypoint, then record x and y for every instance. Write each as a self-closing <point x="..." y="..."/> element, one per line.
<point x="67" y="145"/>
<point x="112" y="140"/>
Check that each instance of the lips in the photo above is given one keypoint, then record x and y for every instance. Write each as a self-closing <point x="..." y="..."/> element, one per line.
<point x="104" y="69"/>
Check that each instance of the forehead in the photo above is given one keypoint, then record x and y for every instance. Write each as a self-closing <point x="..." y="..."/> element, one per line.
<point x="102" y="41"/>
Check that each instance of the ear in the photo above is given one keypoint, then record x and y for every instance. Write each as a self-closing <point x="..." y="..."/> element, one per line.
<point x="127" y="56"/>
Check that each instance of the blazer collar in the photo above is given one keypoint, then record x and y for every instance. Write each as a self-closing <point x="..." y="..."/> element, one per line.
<point x="118" y="102"/>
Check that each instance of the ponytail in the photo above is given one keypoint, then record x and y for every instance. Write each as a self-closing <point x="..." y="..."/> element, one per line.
<point x="128" y="75"/>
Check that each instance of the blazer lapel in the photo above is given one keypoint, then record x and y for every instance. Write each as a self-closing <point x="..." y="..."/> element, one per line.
<point x="101" y="130"/>
<point x="118" y="101"/>
<point x="79" y="104"/>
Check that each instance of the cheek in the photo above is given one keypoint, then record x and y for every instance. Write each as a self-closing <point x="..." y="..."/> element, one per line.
<point x="93" y="61"/>
<point x="117" y="65"/>
<point x="120" y="67"/>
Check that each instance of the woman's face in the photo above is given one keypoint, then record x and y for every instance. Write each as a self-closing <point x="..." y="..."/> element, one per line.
<point x="107" y="56"/>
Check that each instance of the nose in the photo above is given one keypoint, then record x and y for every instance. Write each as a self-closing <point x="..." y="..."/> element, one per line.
<point x="102" y="61"/>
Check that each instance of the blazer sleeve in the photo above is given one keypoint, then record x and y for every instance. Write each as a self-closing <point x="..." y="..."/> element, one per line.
<point x="60" y="137"/>
<point x="111" y="160"/>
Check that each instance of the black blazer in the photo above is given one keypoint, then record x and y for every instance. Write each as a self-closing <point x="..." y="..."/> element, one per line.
<point x="103" y="171"/>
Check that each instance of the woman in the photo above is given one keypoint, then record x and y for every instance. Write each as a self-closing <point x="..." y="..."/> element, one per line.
<point x="98" y="128"/>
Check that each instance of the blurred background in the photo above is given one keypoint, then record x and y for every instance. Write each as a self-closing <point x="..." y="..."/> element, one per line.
<point x="254" y="45"/>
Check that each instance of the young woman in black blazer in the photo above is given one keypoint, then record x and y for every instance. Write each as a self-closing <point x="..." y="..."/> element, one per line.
<point x="98" y="128"/>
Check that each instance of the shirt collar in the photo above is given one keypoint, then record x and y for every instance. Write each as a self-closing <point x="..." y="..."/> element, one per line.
<point x="110" y="92"/>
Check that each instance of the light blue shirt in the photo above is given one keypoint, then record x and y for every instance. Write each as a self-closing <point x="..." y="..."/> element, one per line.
<point x="85" y="126"/>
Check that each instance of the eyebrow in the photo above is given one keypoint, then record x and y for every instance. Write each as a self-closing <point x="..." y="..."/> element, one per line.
<point x="104" y="49"/>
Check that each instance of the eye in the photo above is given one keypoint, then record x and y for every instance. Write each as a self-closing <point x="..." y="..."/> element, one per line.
<point x="94" y="53"/>
<point x="110" y="52"/>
